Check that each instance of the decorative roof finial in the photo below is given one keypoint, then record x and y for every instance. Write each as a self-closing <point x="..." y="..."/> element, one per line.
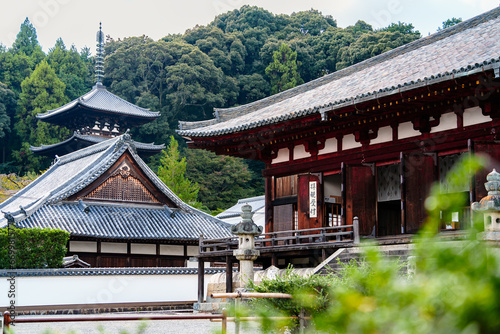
<point x="99" y="62"/>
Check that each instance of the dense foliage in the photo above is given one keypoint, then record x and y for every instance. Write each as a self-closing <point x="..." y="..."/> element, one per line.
<point x="32" y="248"/>
<point x="241" y="56"/>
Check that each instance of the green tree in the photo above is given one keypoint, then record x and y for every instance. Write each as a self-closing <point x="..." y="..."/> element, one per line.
<point x="172" y="172"/>
<point x="71" y="68"/>
<point x="312" y="22"/>
<point x="14" y="68"/>
<point x="7" y="109"/>
<point x="404" y="28"/>
<point x="371" y="44"/>
<point x="222" y="179"/>
<point x="449" y="23"/>
<point x="41" y="91"/>
<point x="283" y="71"/>
<point x="26" y="42"/>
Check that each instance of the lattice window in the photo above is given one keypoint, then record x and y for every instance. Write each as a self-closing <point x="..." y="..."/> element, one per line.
<point x="388" y="183"/>
<point x="123" y="187"/>
<point x="446" y="164"/>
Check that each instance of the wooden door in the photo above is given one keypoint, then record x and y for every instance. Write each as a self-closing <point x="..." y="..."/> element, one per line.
<point x="419" y="171"/>
<point x="360" y="194"/>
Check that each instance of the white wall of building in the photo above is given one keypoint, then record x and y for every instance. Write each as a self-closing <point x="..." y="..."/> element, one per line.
<point x="99" y="289"/>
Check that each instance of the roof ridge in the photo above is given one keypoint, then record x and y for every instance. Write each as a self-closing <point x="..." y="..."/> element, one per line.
<point x="103" y="89"/>
<point x="251" y="199"/>
<point x="93" y="149"/>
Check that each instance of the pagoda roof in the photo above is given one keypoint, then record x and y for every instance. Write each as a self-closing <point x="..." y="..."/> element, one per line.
<point x="467" y="48"/>
<point x="49" y="201"/>
<point x="78" y="141"/>
<point x="99" y="101"/>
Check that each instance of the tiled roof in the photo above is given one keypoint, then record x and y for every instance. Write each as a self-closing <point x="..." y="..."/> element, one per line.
<point x="108" y="271"/>
<point x="233" y="214"/>
<point x="87" y="140"/>
<point x="125" y="222"/>
<point x="256" y="203"/>
<point x="100" y="99"/>
<point x="466" y="48"/>
<point x="42" y="203"/>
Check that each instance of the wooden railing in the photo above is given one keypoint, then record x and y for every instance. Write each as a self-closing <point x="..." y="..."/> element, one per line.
<point x="286" y="239"/>
<point x="8" y="320"/>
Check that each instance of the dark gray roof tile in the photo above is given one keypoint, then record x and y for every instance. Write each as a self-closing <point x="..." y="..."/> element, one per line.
<point x="99" y="98"/>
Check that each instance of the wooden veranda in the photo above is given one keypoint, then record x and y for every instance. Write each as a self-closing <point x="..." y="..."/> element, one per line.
<point x="312" y="246"/>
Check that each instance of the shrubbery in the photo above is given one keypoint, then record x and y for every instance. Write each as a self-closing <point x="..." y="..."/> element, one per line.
<point x="32" y="248"/>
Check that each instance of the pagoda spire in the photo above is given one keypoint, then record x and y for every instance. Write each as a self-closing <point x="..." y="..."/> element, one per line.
<point x="99" y="63"/>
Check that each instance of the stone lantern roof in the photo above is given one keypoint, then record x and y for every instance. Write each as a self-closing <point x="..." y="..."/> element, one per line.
<point x="246" y="226"/>
<point x="491" y="202"/>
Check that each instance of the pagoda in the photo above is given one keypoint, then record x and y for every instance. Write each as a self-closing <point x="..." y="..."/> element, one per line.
<point x="97" y="116"/>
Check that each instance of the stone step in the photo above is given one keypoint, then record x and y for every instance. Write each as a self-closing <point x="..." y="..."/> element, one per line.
<point x="393" y="253"/>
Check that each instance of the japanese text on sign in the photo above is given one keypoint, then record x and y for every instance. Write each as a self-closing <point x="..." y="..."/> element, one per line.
<point x="313" y="196"/>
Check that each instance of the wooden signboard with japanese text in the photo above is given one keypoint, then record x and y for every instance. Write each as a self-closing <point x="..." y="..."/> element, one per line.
<point x="310" y="213"/>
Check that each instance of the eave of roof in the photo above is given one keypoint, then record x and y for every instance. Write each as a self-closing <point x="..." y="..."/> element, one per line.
<point x="100" y="99"/>
<point x="121" y="222"/>
<point x="91" y="140"/>
<point x="472" y="46"/>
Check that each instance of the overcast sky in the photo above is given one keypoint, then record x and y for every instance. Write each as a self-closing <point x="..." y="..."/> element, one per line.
<point x="77" y="21"/>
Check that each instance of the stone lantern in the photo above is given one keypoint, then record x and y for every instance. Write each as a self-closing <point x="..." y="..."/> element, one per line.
<point x="246" y="230"/>
<point x="490" y="206"/>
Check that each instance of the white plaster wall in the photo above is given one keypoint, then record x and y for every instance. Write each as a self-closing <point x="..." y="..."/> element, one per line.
<point x="299" y="152"/>
<point x="114" y="247"/>
<point x="384" y="135"/>
<point x="447" y="121"/>
<point x="66" y="290"/>
<point x="283" y="156"/>
<point x="171" y="250"/>
<point x="83" y="246"/>
<point x="194" y="250"/>
<point x="405" y="130"/>
<point x="149" y="249"/>
<point x="349" y="141"/>
<point x="330" y="146"/>
<point x="474" y="116"/>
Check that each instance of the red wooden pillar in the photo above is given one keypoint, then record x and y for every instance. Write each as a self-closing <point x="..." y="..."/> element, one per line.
<point x="268" y="203"/>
